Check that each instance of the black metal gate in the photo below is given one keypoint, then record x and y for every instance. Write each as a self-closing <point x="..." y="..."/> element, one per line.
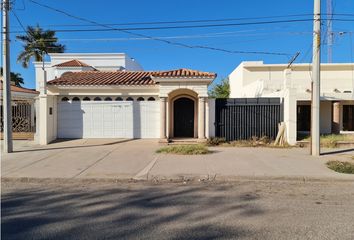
<point x="23" y="120"/>
<point x="244" y="118"/>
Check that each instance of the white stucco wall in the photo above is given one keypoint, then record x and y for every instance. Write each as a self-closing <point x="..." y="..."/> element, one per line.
<point x="199" y="87"/>
<point x="103" y="61"/>
<point x="326" y="117"/>
<point x="100" y="61"/>
<point x="256" y="79"/>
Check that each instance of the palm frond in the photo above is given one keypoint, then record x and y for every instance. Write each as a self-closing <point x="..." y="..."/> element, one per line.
<point x="36" y="42"/>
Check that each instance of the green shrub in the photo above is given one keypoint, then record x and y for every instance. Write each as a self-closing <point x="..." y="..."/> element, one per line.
<point x="185" y="149"/>
<point x="341" y="167"/>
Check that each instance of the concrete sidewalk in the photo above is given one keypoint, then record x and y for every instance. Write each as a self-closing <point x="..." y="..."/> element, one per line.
<point x="136" y="159"/>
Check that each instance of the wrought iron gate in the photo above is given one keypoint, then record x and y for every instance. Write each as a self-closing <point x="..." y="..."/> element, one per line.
<point x="244" y="118"/>
<point x="23" y="120"/>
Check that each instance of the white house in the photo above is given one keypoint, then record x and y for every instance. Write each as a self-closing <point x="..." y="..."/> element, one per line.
<point x="293" y="85"/>
<point x="111" y="96"/>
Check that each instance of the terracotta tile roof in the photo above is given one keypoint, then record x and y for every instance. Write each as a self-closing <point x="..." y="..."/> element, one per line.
<point x="183" y="72"/>
<point x="20" y="89"/>
<point x="123" y="77"/>
<point x="104" y="78"/>
<point x="72" y="63"/>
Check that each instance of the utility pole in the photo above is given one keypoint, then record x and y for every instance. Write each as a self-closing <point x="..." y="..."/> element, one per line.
<point x="329" y="31"/>
<point x="7" y="108"/>
<point x="316" y="67"/>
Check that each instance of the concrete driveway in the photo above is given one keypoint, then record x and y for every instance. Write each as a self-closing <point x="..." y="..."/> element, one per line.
<point x="127" y="159"/>
<point x="83" y="158"/>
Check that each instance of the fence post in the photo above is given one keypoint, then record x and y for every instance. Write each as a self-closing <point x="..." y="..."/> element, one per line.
<point x="290" y="117"/>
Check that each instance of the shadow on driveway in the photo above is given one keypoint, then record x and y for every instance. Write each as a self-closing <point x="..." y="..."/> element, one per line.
<point x="337" y="151"/>
<point x="67" y="141"/>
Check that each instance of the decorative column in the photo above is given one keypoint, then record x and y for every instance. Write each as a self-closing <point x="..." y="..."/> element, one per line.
<point x="336" y="121"/>
<point x="201" y="118"/>
<point x="163" y="136"/>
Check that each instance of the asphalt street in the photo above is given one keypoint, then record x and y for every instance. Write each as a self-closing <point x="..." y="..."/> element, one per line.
<point x="271" y="209"/>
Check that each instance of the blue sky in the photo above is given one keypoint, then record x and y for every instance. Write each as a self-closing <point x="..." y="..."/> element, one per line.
<point x="285" y="37"/>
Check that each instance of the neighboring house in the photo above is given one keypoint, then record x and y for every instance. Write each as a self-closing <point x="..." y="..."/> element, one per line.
<point x="111" y="96"/>
<point x="23" y="111"/>
<point x="293" y="85"/>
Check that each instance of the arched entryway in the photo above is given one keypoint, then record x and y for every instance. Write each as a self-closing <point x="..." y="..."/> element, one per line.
<point x="182" y="114"/>
<point x="183" y="117"/>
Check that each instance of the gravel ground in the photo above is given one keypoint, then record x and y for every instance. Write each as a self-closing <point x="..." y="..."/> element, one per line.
<point x="145" y="210"/>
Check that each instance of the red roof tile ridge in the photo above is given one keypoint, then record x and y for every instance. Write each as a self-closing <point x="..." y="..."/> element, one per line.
<point x="72" y="63"/>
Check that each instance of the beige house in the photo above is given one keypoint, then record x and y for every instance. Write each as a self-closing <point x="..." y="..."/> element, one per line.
<point x="110" y="96"/>
<point x="293" y="85"/>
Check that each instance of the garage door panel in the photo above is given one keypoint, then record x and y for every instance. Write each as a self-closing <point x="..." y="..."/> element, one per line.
<point x="146" y="119"/>
<point x="70" y="112"/>
<point x="116" y="119"/>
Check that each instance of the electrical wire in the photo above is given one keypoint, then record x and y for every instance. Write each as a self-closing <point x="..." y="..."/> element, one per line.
<point x="181" y="21"/>
<point x="154" y="38"/>
<point x="197" y="36"/>
<point x="107" y="28"/>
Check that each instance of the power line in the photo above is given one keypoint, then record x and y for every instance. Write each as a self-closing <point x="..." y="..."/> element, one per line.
<point x="188" y="21"/>
<point x="18" y="20"/>
<point x="107" y="28"/>
<point x="127" y="31"/>
<point x="211" y="35"/>
<point x="181" y="21"/>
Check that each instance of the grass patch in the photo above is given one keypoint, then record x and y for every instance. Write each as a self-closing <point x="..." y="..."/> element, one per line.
<point x="196" y="149"/>
<point x="341" y="167"/>
<point x="332" y="140"/>
<point x="253" y="142"/>
<point x="216" y="141"/>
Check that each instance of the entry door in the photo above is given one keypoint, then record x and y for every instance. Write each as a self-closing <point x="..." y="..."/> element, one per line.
<point x="183" y="117"/>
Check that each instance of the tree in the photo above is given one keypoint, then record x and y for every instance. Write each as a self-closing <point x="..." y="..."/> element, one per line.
<point x="36" y="43"/>
<point x="16" y="78"/>
<point x="221" y="90"/>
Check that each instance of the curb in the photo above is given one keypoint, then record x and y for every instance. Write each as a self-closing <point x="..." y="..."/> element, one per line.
<point x="174" y="179"/>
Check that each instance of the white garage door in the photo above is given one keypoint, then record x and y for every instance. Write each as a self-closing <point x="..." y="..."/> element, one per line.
<point x="115" y="119"/>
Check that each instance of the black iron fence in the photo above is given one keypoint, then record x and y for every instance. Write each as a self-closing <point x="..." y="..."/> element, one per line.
<point x="23" y="120"/>
<point x="244" y="118"/>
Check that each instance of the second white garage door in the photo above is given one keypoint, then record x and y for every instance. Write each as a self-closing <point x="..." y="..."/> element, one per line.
<point x="116" y="119"/>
